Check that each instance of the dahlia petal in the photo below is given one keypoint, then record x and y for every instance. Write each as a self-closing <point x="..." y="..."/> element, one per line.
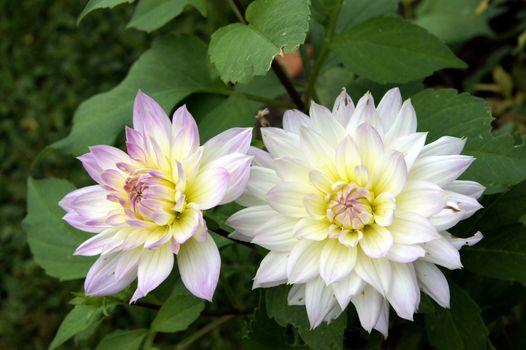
<point x="294" y="119"/>
<point x="324" y="122"/>
<point x="127" y="263"/>
<point x="95" y="244"/>
<point x="458" y="242"/>
<point x="347" y="158"/>
<point x="376" y="241"/>
<point x="370" y="145"/>
<point x="315" y="206"/>
<point x="441" y="252"/>
<point x="259" y="184"/>
<point x="186" y="225"/>
<point x="154" y="267"/>
<point x="405" y="253"/>
<point x="135" y="144"/>
<point x="184" y="132"/>
<point x="276" y="234"/>
<point x="311" y="229"/>
<point x="234" y="140"/>
<point x="304" y="261"/>
<point x="346" y="288"/>
<point x="404" y="294"/>
<point x="336" y="261"/>
<point x="404" y="123"/>
<point x="79" y="222"/>
<point x="468" y="188"/>
<point x="318" y="152"/>
<point x="90" y="165"/>
<point x="296" y="295"/>
<point x="384" y="209"/>
<point x="281" y="143"/>
<point x="248" y="220"/>
<point x="411" y="228"/>
<point x="238" y="167"/>
<point x="291" y="169"/>
<point x="287" y="199"/>
<point x="389" y="107"/>
<point x="343" y="108"/>
<point x="390" y="174"/>
<point x="382" y="324"/>
<point x="368" y="304"/>
<point x="410" y="146"/>
<point x="101" y="279"/>
<point x="261" y="158"/>
<point x="319" y="301"/>
<point x="107" y="157"/>
<point x="440" y="169"/>
<point x="151" y="119"/>
<point x="199" y="264"/>
<point x="208" y="188"/>
<point x="376" y="272"/>
<point x="272" y="270"/>
<point x="433" y="282"/>
<point x="444" y="146"/>
<point x="421" y="197"/>
<point x="365" y="112"/>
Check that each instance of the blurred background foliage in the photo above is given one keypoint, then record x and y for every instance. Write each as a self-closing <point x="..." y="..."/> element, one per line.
<point x="49" y="65"/>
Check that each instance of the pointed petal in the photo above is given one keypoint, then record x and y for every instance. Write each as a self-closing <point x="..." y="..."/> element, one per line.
<point x="304" y="261"/>
<point x="184" y="134"/>
<point x="404" y="123"/>
<point x="293" y="119"/>
<point x="368" y="304"/>
<point x="365" y="112"/>
<point x="281" y="143"/>
<point x="405" y="253"/>
<point x="248" y="220"/>
<point x="276" y="234"/>
<point x="346" y="288"/>
<point x="154" y="267"/>
<point x="468" y="188"/>
<point x="311" y="229"/>
<point x="150" y="119"/>
<point x="326" y="124"/>
<point x="101" y="279"/>
<point x="261" y="158"/>
<point x="208" y="188"/>
<point x="421" y="197"/>
<point x="433" y="282"/>
<point x="376" y="241"/>
<point x="389" y="107"/>
<point x="296" y="295"/>
<point x="376" y="272"/>
<point x="384" y="209"/>
<point x="370" y="144"/>
<point x="443" y="253"/>
<point x="458" y="242"/>
<point x="404" y="294"/>
<point x="234" y="140"/>
<point x="343" y="108"/>
<point x="444" y="146"/>
<point x="347" y="158"/>
<point x="410" y="146"/>
<point x="440" y="169"/>
<point x="411" y="228"/>
<point x="259" y="184"/>
<point x="336" y="261"/>
<point x="390" y="174"/>
<point x="272" y="270"/>
<point x="319" y="153"/>
<point x="287" y="198"/>
<point x="319" y="300"/>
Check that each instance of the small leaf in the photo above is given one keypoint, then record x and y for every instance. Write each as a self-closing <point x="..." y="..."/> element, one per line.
<point x="499" y="163"/>
<point x="178" y="311"/>
<point x="460" y="327"/>
<point x="100" y="4"/>
<point x="392" y="50"/>
<point x="172" y="69"/>
<point x="240" y="52"/>
<point x="76" y="321"/>
<point x="150" y="15"/>
<point x="123" y="340"/>
<point x="51" y="239"/>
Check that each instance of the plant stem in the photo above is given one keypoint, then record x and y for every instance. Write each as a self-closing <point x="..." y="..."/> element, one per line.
<point x="185" y="343"/>
<point x="282" y="76"/>
<point x="225" y="234"/>
<point x="327" y="41"/>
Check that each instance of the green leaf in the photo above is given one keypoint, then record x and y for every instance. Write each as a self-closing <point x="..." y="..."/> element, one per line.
<point x="100" y="4"/>
<point x="123" y="340"/>
<point x="240" y="52"/>
<point x="460" y="327"/>
<point x="324" y="337"/>
<point x="330" y="83"/>
<point x="453" y="21"/>
<point x="178" y="311"/>
<point x="354" y="12"/>
<point x="150" y="15"/>
<point x="500" y="255"/>
<point x="51" y="239"/>
<point x="265" y="334"/>
<point x="392" y="50"/>
<point x="500" y="164"/>
<point x="76" y="321"/>
<point x="172" y="69"/>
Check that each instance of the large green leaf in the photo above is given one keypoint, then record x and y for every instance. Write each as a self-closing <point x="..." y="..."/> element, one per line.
<point x="240" y="51"/>
<point x="51" y="239"/>
<point x="78" y="320"/>
<point x="171" y="70"/>
<point x="100" y="4"/>
<point x="324" y="337"/>
<point x="390" y="49"/>
<point x="354" y="12"/>
<point x="150" y="15"/>
<point x="123" y="340"/>
<point x="500" y="164"/>
<point x="459" y="328"/>
<point x="178" y="311"/>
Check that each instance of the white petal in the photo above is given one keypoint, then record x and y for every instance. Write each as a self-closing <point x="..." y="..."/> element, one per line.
<point x="326" y="124"/>
<point x="443" y="253"/>
<point x="444" y="146"/>
<point x="272" y="271"/>
<point x="368" y="304"/>
<point x="347" y="159"/>
<point x="154" y="267"/>
<point x="184" y="135"/>
<point x="319" y="300"/>
<point x="101" y="279"/>
<point x="336" y="261"/>
<point x="287" y="199"/>
<point x="405" y="253"/>
<point x="311" y="229"/>
<point x="404" y="294"/>
<point x="276" y="234"/>
<point x="95" y="245"/>
<point x="208" y="188"/>
<point x="382" y="324"/>
<point x="463" y="242"/>
<point x="370" y="144"/>
<point x="389" y="107"/>
<point x="296" y="295"/>
<point x="421" y="197"/>
<point x="343" y="108"/>
<point x="433" y="282"/>
<point x="292" y="169"/>
<point x="410" y="146"/>
<point x="390" y="174"/>
<point x="404" y="123"/>
<point x="234" y="140"/>
<point x="318" y="152"/>
<point x="248" y="220"/>
<point x="346" y="288"/>
<point x="440" y="169"/>
<point x="315" y="205"/>
<point x="365" y="112"/>
<point x="260" y="182"/>
<point x="150" y="119"/>
<point x="261" y="158"/>
<point x="199" y="264"/>
<point x="293" y="119"/>
<point x="376" y="272"/>
<point x="411" y="228"/>
<point x="304" y="261"/>
<point x="376" y="241"/>
<point x="468" y="188"/>
<point x="281" y="143"/>
<point x="384" y="209"/>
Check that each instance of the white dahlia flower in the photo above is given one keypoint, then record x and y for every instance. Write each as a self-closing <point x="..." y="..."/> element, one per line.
<point x="354" y="208"/>
<point x="148" y="203"/>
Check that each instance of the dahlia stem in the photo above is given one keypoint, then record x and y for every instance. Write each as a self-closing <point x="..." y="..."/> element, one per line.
<point x="185" y="343"/>
<point x="327" y="41"/>
<point x="282" y="76"/>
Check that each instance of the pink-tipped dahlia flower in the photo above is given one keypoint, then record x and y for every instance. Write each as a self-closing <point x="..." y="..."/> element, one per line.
<point x="148" y="203"/>
<point x="354" y="208"/>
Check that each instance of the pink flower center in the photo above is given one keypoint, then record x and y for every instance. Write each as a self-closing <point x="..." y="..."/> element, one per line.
<point x="350" y="207"/>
